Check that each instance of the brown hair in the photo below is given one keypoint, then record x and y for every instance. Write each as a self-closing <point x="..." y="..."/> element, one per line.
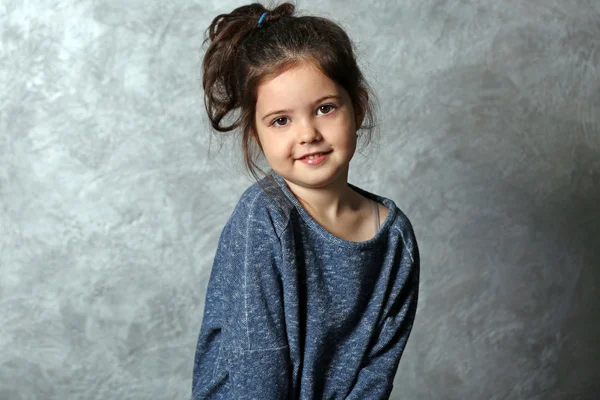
<point x="242" y="55"/>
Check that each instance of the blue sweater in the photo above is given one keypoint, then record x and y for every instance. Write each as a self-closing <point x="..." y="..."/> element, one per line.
<point x="295" y="312"/>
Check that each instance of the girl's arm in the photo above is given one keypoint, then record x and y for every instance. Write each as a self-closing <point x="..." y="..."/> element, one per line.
<point x="242" y="350"/>
<point x="376" y="378"/>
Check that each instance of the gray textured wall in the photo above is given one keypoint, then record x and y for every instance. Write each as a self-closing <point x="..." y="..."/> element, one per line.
<point x="110" y="206"/>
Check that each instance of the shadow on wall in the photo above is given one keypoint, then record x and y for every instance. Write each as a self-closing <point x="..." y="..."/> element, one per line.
<point x="516" y="211"/>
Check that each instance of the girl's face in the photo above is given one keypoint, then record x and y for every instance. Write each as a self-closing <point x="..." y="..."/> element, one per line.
<point x="303" y="111"/>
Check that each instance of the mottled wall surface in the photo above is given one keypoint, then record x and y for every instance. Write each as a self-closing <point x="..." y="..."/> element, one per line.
<point x="111" y="205"/>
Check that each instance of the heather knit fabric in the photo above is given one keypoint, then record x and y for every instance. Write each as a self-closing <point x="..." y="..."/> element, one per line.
<point x="295" y="312"/>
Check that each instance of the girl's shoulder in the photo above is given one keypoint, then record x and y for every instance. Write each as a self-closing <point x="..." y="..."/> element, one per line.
<point x="260" y="205"/>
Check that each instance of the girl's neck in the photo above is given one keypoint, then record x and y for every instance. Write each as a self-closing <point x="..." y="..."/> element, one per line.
<point x="333" y="207"/>
<point x="332" y="202"/>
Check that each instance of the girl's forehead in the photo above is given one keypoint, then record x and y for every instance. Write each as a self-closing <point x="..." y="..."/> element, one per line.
<point x="298" y="83"/>
<point x="298" y="74"/>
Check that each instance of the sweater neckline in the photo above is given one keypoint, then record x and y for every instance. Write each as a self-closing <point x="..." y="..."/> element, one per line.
<point x="314" y="225"/>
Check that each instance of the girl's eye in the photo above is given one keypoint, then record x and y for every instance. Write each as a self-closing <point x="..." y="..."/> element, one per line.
<point x="278" y="119"/>
<point x="276" y="123"/>
<point x="327" y="105"/>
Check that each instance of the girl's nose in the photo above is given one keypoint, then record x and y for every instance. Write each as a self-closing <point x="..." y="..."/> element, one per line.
<point x="308" y="134"/>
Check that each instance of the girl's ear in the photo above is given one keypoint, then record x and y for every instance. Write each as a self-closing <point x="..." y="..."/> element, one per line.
<point x="359" y="115"/>
<point x="254" y="136"/>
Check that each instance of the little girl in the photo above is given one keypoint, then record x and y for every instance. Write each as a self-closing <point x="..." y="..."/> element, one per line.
<point x="314" y="286"/>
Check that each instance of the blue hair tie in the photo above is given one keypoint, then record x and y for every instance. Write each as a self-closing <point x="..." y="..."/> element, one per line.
<point x="261" y="19"/>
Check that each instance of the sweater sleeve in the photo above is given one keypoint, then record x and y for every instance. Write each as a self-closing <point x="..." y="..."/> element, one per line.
<point x="376" y="377"/>
<point x="242" y="350"/>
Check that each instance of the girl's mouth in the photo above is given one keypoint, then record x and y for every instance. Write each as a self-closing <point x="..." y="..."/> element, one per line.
<point x="314" y="160"/>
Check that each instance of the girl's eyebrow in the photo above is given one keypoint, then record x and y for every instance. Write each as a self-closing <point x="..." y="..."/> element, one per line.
<point x="329" y="96"/>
